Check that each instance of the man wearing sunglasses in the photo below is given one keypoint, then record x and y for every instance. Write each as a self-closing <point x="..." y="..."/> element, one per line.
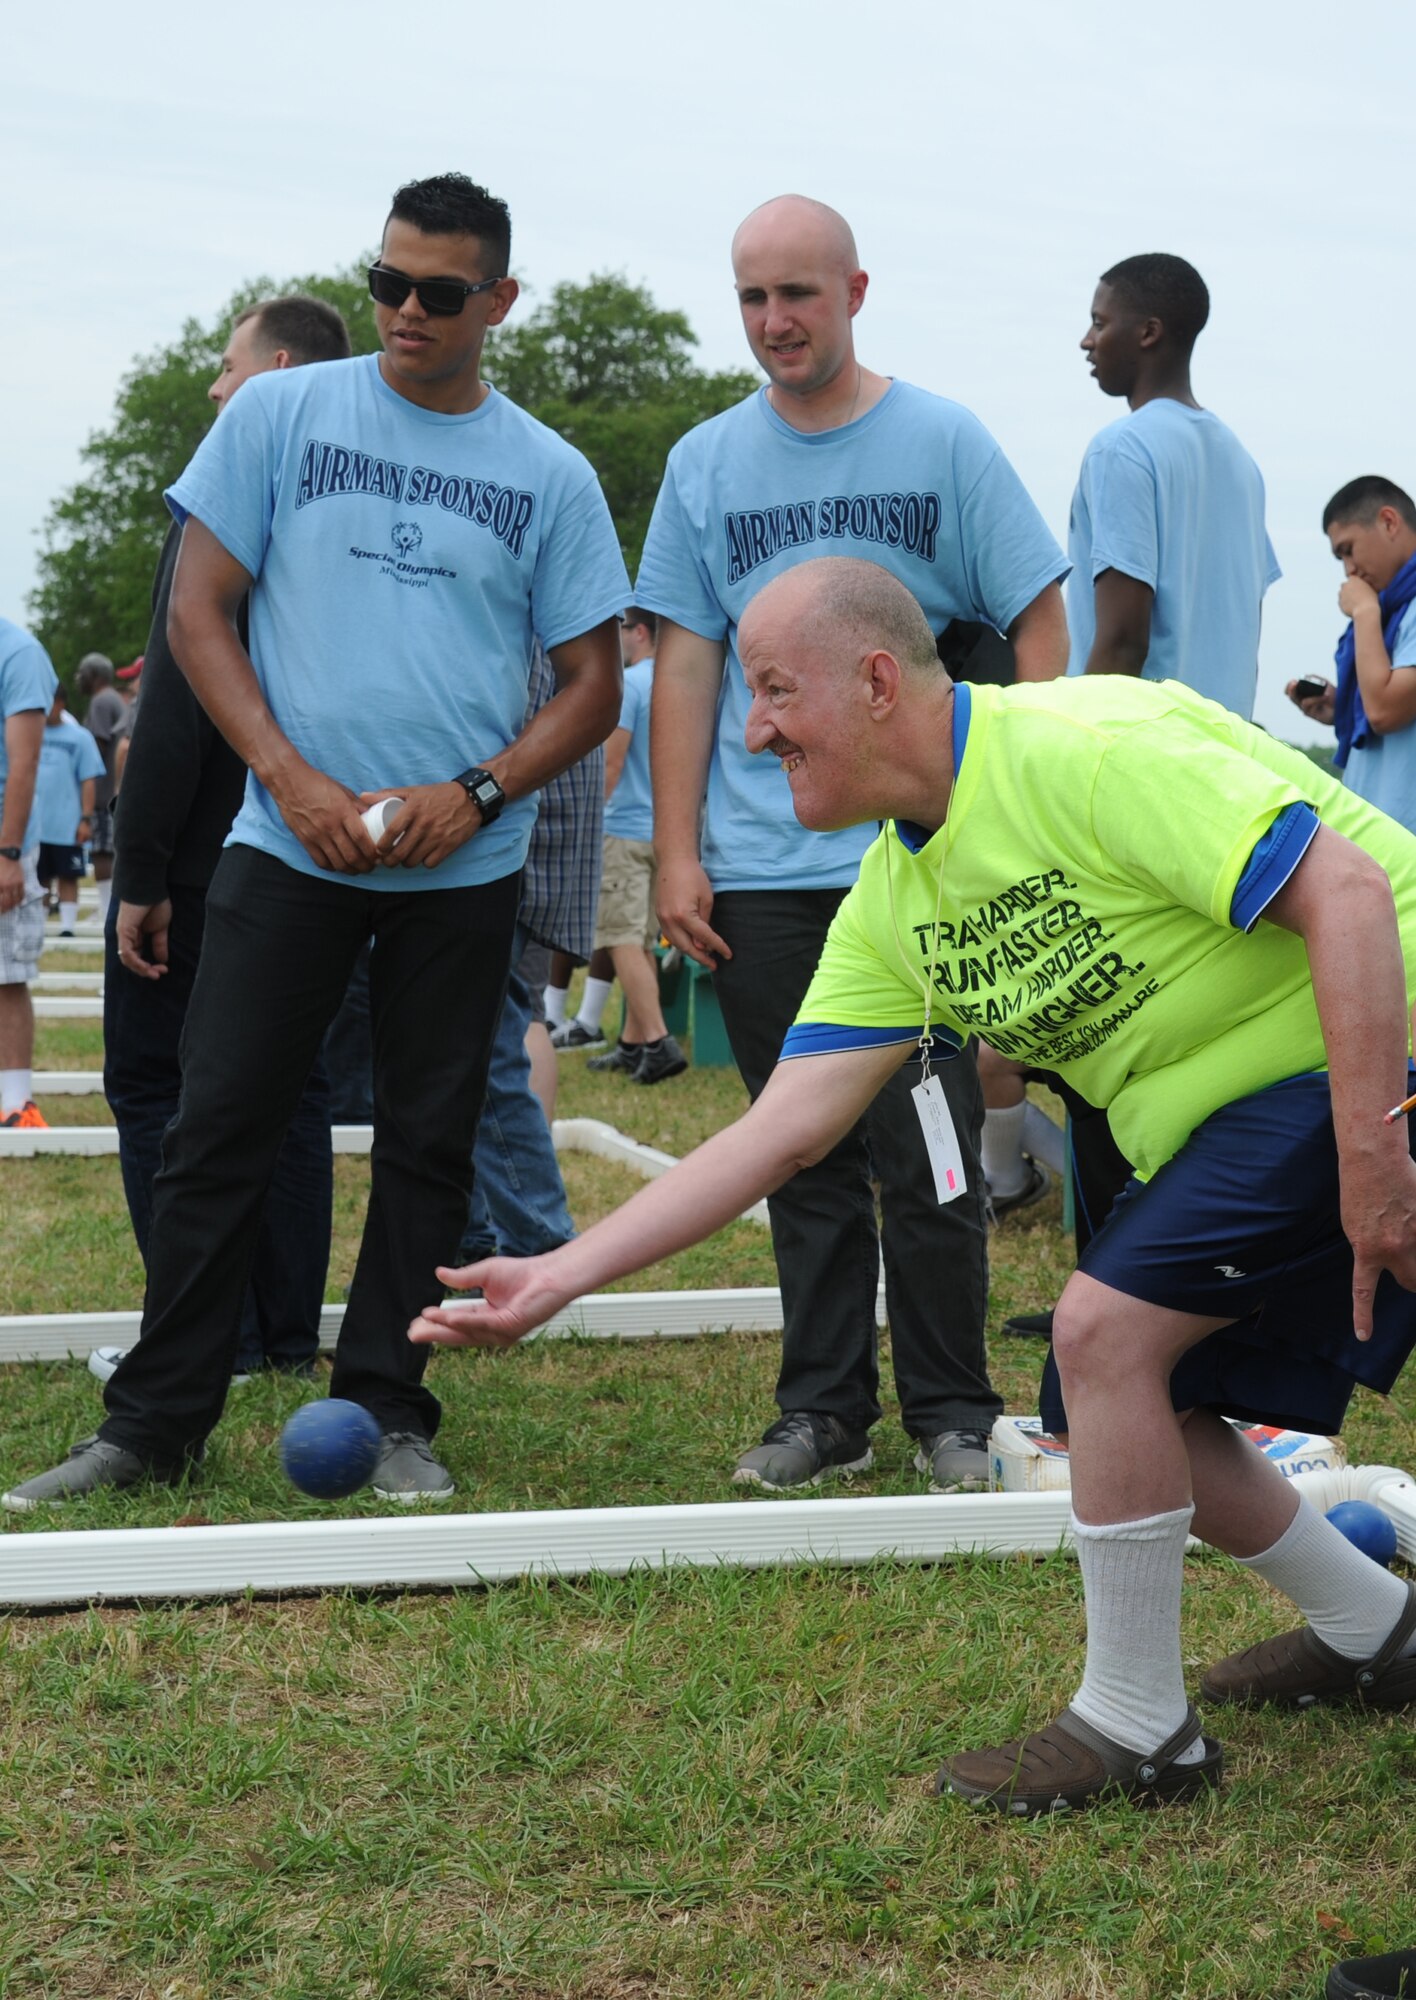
<point x="403" y="531"/>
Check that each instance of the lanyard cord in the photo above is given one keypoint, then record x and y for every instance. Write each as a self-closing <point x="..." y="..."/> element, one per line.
<point x="926" y="984"/>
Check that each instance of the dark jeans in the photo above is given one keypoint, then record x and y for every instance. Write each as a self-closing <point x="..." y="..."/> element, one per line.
<point x="518" y="1206"/>
<point x="143" y="1021"/>
<point x="277" y="956"/>
<point x="823" y="1220"/>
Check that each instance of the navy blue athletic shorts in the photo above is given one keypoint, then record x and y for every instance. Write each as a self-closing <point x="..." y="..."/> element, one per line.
<point x="59" y="863"/>
<point x="1245" y="1221"/>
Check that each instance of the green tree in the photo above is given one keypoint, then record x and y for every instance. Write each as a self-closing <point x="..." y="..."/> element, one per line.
<point x="101" y="539"/>
<point x="614" y="373"/>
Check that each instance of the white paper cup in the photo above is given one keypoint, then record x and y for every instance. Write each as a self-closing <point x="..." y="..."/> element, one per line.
<point x="377" y="817"/>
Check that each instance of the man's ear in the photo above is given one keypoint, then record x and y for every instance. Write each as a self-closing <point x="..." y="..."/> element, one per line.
<point x="885" y="677"/>
<point x="281" y="358"/>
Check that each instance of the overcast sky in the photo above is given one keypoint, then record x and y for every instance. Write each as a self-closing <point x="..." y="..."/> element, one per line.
<point x="993" y="161"/>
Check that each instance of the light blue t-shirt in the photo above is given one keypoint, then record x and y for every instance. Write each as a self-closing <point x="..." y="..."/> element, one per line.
<point x="27" y="680"/>
<point x="1169" y="496"/>
<point x="67" y="756"/>
<point x="401" y="560"/>
<point x="1383" y="769"/>
<point x="629" y="810"/>
<point x="917" y="485"/>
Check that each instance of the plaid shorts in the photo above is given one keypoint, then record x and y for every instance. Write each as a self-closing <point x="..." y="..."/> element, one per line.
<point x="22" y="929"/>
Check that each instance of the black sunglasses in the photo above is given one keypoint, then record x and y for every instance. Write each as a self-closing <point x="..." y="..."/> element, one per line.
<point x="436" y="295"/>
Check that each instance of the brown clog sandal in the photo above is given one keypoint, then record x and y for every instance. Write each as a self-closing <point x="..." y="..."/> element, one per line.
<point x="1069" y="1766"/>
<point x="1300" y="1669"/>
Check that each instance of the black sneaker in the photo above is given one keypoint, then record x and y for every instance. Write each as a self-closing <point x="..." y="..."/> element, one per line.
<point x="1029" y="1326"/>
<point x="1384" y="1978"/>
<point x="801" y="1449"/>
<point x="1035" y="1188"/>
<point x="659" y="1060"/>
<point x="575" y="1035"/>
<point x="624" y="1055"/>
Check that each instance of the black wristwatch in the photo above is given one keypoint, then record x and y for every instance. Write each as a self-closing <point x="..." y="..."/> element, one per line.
<point x="484" y="791"/>
<point x="14" y="853"/>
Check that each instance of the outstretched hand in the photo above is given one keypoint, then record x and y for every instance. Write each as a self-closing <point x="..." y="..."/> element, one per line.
<point x="517" y="1297"/>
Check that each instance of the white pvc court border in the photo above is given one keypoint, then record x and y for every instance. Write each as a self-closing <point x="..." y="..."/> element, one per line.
<point x="571" y="1135"/>
<point x="599" y="1316"/>
<point x="58" y="1006"/>
<point x="452" y="1550"/>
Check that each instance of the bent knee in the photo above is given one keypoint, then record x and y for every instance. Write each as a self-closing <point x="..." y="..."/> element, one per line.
<point x="1087" y="1337"/>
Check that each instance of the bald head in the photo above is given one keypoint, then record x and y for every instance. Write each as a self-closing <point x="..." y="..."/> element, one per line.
<point x="847" y="693"/>
<point x="794" y="224"/>
<point x="837" y="609"/>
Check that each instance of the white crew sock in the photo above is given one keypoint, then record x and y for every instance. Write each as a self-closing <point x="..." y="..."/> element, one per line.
<point x="105" y="897"/>
<point x="1350" y="1601"/>
<point x="68" y="917"/>
<point x="16" y="1090"/>
<point x="593" y="1002"/>
<point x="556" y="997"/>
<point x="1133" y="1689"/>
<point x="1043" y="1140"/>
<point x="1004" y="1167"/>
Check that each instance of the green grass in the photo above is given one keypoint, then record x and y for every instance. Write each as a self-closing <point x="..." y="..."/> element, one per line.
<point x="660" y="1787"/>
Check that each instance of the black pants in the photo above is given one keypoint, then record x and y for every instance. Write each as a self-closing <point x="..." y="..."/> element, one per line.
<point x="276" y="959"/>
<point x="143" y="1021"/>
<point x="823" y="1220"/>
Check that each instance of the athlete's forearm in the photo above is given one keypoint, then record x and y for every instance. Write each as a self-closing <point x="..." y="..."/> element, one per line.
<point x="807" y="1106"/>
<point x="1340" y="903"/>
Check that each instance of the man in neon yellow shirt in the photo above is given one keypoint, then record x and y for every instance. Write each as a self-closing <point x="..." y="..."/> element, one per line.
<point x="1188" y="920"/>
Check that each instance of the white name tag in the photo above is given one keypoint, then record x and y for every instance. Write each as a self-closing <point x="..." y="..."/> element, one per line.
<point x="940" y="1139"/>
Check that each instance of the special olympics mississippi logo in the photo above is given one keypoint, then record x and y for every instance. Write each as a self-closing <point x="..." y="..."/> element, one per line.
<point x="407" y="537"/>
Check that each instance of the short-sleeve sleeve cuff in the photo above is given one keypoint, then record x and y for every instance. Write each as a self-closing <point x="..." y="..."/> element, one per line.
<point x="824" y="1038"/>
<point x="1272" y="863"/>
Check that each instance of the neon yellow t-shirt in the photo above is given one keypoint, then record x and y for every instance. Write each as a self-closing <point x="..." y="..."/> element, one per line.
<point x="1096" y="835"/>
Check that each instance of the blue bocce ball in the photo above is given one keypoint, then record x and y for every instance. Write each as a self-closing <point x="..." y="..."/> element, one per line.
<point x="329" y="1448"/>
<point x="1366" y="1527"/>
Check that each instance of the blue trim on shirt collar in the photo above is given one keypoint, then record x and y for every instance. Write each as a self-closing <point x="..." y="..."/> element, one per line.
<point x="823" y="1038"/>
<point x="1271" y="864"/>
<point x="912" y="835"/>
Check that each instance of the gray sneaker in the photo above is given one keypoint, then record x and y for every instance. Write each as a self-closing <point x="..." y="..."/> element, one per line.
<point x="408" y="1472"/>
<point x="624" y="1055"/>
<point x="91" y="1463"/>
<point x="956" y="1461"/>
<point x="659" y="1061"/>
<point x="801" y="1449"/>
